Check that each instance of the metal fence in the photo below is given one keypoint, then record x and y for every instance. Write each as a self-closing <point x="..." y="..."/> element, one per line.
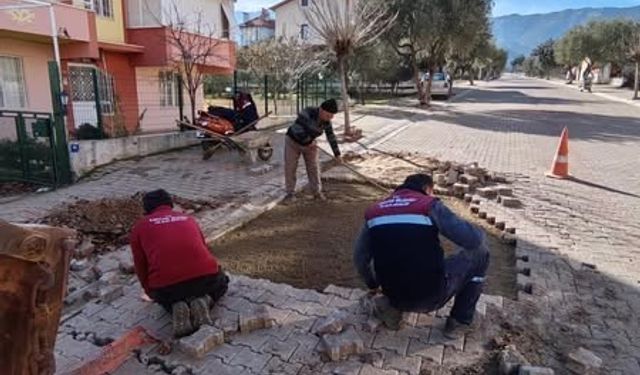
<point x="270" y="94"/>
<point x="28" y="148"/>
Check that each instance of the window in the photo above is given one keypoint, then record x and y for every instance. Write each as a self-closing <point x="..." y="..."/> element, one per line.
<point x="169" y="86"/>
<point x="13" y="92"/>
<point x="105" y="91"/>
<point x="304" y="3"/>
<point x="103" y="8"/>
<point x="304" y="32"/>
<point x="225" y="23"/>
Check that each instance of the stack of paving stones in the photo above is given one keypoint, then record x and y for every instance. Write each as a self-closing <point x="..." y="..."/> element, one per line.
<point x="261" y="327"/>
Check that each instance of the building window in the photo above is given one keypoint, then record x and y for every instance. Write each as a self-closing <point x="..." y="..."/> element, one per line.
<point x="105" y="92"/>
<point x="169" y="86"/>
<point x="13" y="92"/>
<point x="103" y="8"/>
<point x="304" y="32"/>
<point x="304" y="3"/>
<point x="225" y="24"/>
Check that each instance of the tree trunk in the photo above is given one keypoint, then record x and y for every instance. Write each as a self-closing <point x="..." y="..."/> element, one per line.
<point x="471" y="77"/>
<point x="636" y="84"/>
<point x="275" y="101"/>
<point x="345" y="95"/>
<point x="192" y="99"/>
<point x="416" y="78"/>
<point x="428" y="93"/>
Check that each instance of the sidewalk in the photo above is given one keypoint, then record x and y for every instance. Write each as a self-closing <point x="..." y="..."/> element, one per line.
<point x="617" y="94"/>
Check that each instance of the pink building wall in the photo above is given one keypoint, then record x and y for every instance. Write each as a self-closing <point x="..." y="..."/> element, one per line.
<point x="36" y="72"/>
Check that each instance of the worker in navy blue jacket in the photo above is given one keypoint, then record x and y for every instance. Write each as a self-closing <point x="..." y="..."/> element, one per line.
<point x="399" y="252"/>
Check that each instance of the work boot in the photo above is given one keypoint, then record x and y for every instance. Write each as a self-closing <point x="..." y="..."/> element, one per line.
<point x="200" y="313"/>
<point x="454" y="329"/>
<point x="389" y="315"/>
<point x="181" y="319"/>
<point x="289" y="198"/>
<point x="319" y="197"/>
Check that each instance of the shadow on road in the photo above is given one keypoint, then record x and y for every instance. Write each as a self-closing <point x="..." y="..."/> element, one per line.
<point x="506" y="95"/>
<point x="602" y="187"/>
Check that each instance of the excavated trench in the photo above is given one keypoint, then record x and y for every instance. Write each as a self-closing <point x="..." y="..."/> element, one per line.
<point x="308" y="244"/>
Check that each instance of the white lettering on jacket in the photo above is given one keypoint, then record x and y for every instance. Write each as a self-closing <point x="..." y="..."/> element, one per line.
<point x="167" y="219"/>
<point x="397" y="202"/>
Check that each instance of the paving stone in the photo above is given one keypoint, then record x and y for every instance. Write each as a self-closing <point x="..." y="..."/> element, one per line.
<point x="202" y="341"/>
<point x="338" y="291"/>
<point x="283" y="350"/>
<point x="226" y="352"/>
<point x="437" y="337"/>
<point x="387" y="340"/>
<point x="510" y="202"/>
<point x="370" y="370"/>
<point x="110" y="293"/>
<point x="225" y="319"/>
<point x="258" y="318"/>
<point x="214" y="365"/>
<point x="504" y="191"/>
<point x="460" y="189"/>
<point x="487" y="192"/>
<point x="342" y="368"/>
<point x="404" y="364"/>
<point x="251" y="360"/>
<point x="277" y="367"/>
<point x="584" y="361"/>
<point x="342" y="345"/>
<point x="442" y="190"/>
<point x="532" y="370"/>
<point x="429" y="352"/>
<point x="254" y="340"/>
<point x="333" y="323"/>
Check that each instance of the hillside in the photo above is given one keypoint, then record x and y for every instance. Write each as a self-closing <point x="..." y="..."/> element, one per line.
<point x="520" y="34"/>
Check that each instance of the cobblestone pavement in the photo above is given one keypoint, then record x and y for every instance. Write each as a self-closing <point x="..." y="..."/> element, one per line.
<point x="292" y="346"/>
<point x="580" y="235"/>
<point x="576" y="239"/>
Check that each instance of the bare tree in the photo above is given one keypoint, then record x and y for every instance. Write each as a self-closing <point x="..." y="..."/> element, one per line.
<point x="344" y="26"/>
<point x="194" y="41"/>
<point x="284" y="60"/>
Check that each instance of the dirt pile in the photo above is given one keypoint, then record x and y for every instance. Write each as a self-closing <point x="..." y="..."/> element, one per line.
<point x="8" y="189"/>
<point x="106" y="222"/>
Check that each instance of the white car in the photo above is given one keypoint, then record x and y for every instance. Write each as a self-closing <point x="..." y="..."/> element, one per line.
<point x="441" y="84"/>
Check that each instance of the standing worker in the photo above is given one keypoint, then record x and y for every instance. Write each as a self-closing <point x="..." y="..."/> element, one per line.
<point x="301" y="139"/>
<point x="399" y="251"/>
<point x="174" y="264"/>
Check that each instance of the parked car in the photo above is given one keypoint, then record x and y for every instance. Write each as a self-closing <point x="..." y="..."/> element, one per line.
<point x="441" y="84"/>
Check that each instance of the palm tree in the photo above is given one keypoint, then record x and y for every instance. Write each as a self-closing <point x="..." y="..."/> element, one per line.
<point x="343" y="27"/>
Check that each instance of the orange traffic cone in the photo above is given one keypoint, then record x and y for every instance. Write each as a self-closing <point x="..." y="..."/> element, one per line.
<point x="560" y="166"/>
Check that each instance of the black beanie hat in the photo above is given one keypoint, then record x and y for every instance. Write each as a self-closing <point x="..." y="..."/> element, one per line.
<point x="330" y="106"/>
<point x="155" y="199"/>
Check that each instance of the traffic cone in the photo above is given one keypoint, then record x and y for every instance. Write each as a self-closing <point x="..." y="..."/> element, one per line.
<point x="560" y="166"/>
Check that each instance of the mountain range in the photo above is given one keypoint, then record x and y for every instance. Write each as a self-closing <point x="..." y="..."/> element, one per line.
<point x="519" y="34"/>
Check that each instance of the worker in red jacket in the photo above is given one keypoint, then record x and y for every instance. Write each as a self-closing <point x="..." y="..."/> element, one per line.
<point x="174" y="264"/>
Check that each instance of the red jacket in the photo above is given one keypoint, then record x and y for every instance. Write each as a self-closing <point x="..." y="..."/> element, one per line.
<point x="168" y="247"/>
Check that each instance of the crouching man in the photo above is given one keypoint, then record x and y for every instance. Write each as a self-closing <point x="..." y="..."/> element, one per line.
<point x="398" y="250"/>
<point x="174" y="264"/>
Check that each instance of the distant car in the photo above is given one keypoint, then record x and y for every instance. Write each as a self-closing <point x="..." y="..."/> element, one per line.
<point x="441" y="84"/>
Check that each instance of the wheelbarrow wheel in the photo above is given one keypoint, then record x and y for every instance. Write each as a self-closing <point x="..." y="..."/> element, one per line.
<point x="265" y="152"/>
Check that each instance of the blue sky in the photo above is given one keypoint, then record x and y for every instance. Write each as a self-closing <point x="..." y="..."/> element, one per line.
<point x="501" y="7"/>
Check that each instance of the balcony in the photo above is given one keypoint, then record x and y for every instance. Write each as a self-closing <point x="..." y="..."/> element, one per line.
<point x="160" y="52"/>
<point x="76" y="28"/>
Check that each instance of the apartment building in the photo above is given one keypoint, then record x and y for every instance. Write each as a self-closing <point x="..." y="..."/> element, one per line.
<point x="118" y="65"/>
<point x="257" y="29"/>
<point x="292" y="23"/>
